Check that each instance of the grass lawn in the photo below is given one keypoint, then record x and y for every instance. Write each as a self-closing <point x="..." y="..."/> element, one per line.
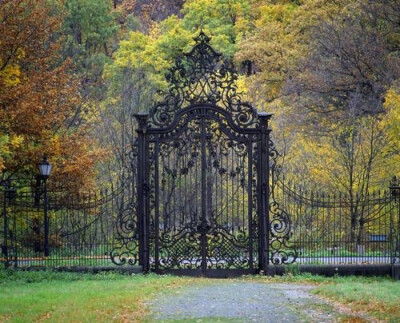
<point x="36" y="296"/>
<point x="380" y="298"/>
<point x="377" y="296"/>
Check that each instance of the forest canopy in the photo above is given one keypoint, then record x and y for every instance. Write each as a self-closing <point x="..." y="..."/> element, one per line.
<point x="73" y="72"/>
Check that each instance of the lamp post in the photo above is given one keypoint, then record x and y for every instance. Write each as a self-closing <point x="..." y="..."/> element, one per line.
<point x="45" y="170"/>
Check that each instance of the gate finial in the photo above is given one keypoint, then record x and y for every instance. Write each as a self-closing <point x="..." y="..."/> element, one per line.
<point x="202" y="38"/>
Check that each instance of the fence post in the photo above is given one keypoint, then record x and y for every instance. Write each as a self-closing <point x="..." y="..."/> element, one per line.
<point x="46" y="219"/>
<point x="5" y="226"/>
<point x="263" y="192"/>
<point x="9" y="195"/>
<point x="395" y="197"/>
<point x="142" y="191"/>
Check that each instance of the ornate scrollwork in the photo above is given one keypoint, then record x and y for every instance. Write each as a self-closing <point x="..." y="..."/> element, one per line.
<point x="181" y="249"/>
<point x="126" y="252"/>
<point x="202" y="76"/>
<point x="227" y="250"/>
<point x="223" y="233"/>
<point x="204" y="175"/>
<point x="126" y="249"/>
<point x="282" y="252"/>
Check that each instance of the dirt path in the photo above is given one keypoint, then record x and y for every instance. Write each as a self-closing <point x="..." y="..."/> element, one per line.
<point x="244" y="302"/>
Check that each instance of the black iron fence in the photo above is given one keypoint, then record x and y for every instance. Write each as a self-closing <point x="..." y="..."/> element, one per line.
<point x="85" y="229"/>
<point x="342" y="229"/>
<point x="80" y="229"/>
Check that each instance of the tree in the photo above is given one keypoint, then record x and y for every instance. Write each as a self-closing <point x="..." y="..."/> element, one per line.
<point x="338" y="92"/>
<point x="133" y="79"/>
<point x="348" y="59"/>
<point x="141" y="61"/>
<point x="89" y="29"/>
<point x="279" y="39"/>
<point x="39" y="96"/>
<point x="270" y="51"/>
<point x="150" y="11"/>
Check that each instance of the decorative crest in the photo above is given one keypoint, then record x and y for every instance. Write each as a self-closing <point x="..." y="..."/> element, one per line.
<point x="202" y="38"/>
<point x="202" y="76"/>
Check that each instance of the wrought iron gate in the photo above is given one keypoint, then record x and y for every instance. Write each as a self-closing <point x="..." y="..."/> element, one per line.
<point x="203" y="175"/>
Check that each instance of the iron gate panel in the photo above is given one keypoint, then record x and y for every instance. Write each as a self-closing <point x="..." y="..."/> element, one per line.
<point x="204" y="213"/>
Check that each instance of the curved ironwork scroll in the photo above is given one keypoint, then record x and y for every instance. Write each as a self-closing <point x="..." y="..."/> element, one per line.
<point x="281" y="251"/>
<point x="223" y="235"/>
<point x="126" y="249"/>
<point x="202" y="76"/>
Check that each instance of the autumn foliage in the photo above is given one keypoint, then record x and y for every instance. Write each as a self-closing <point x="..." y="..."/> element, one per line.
<point x="39" y="97"/>
<point x="73" y="72"/>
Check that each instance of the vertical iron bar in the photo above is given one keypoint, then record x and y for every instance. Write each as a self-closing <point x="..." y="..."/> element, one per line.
<point x="5" y="228"/>
<point x="203" y="197"/>
<point x="156" y="206"/>
<point x="14" y="236"/>
<point x="146" y="203"/>
<point x="46" y="220"/>
<point x="267" y="193"/>
<point x="397" y="247"/>
<point x="141" y="188"/>
<point x="395" y="201"/>
<point x="140" y="194"/>
<point x="250" y="200"/>
<point x="397" y="194"/>
<point x="391" y="224"/>
<point x="263" y="192"/>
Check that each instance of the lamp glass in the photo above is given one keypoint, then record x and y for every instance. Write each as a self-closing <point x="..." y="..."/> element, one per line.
<point x="45" y="168"/>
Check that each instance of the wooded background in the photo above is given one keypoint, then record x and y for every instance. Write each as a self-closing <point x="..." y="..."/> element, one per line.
<point x="72" y="73"/>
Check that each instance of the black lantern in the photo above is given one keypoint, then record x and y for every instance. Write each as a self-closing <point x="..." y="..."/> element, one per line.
<point x="45" y="167"/>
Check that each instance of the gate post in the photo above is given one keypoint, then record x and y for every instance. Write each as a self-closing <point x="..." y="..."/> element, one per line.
<point x="142" y="190"/>
<point x="395" y="221"/>
<point x="263" y="192"/>
<point x="5" y="226"/>
<point x="9" y="196"/>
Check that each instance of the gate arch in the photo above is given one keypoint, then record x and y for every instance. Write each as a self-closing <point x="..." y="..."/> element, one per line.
<point x="203" y="192"/>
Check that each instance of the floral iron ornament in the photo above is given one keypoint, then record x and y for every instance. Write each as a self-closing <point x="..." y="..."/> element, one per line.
<point x="280" y="226"/>
<point x="202" y="76"/>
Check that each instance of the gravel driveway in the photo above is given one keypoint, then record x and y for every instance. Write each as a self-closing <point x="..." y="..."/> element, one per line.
<point x="243" y="302"/>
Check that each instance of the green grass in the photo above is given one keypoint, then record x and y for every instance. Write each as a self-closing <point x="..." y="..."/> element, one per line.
<point x="33" y="296"/>
<point x="60" y="296"/>
<point x="380" y="298"/>
<point x="377" y="296"/>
